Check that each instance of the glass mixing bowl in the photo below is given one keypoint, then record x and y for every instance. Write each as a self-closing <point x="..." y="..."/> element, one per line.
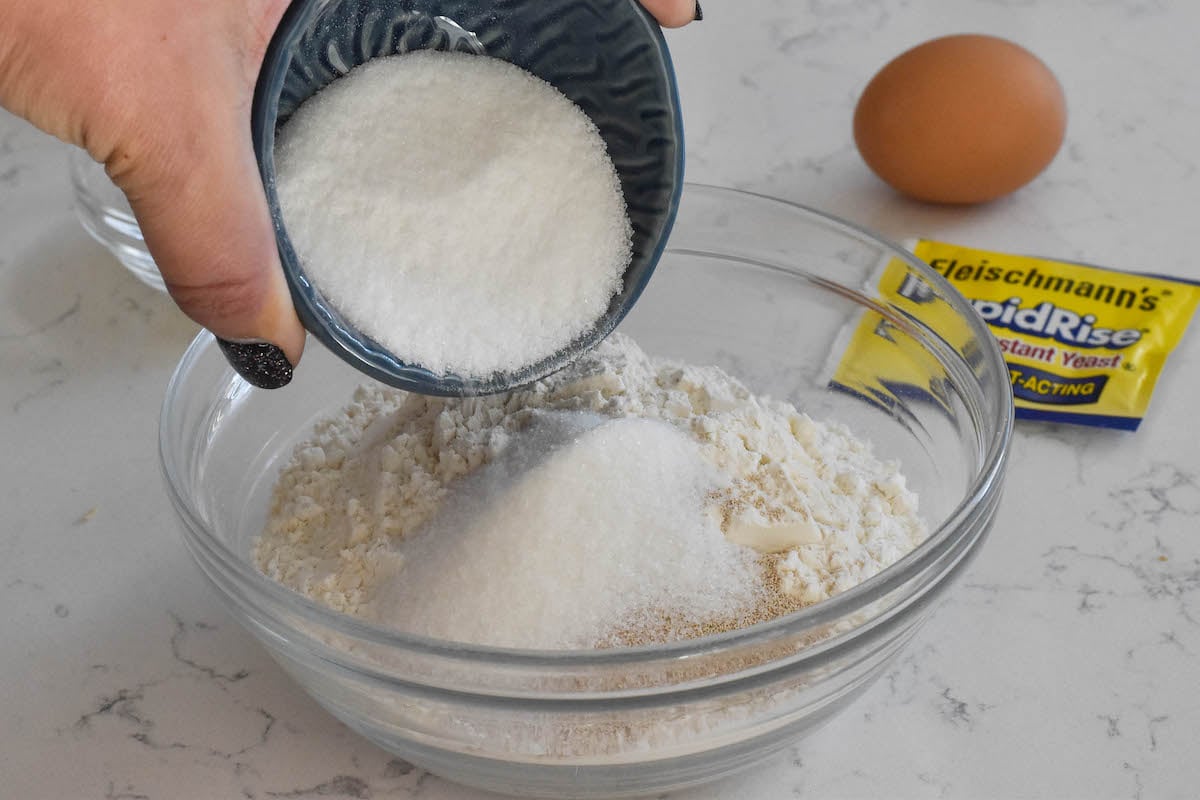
<point x="775" y="294"/>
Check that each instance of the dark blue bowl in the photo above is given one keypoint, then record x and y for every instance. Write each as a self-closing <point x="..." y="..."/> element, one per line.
<point x="608" y="56"/>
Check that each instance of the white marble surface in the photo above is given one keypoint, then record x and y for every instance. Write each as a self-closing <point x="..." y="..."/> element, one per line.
<point x="1064" y="664"/>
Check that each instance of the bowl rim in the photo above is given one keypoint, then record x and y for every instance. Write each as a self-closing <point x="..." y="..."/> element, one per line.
<point x="345" y="340"/>
<point x="984" y="489"/>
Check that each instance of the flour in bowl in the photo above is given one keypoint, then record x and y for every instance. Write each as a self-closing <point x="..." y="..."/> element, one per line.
<point x="623" y="500"/>
<point x="458" y="210"/>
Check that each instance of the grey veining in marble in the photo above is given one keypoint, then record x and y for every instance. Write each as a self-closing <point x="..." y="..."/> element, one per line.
<point x="1064" y="664"/>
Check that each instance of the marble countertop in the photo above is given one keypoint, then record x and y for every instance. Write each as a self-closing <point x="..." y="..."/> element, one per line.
<point x="1063" y="664"/>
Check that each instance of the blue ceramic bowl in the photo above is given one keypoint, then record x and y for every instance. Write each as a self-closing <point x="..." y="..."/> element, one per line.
<point x="608" y="56"/>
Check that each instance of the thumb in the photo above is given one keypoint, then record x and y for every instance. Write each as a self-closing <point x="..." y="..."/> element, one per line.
<point x="200" y="204"/>
<point x="674" y="13"/>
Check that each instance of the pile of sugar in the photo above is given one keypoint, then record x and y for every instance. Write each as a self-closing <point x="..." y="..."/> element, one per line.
<point x="582" y="524"/>
<point x="485" y="519"/>
<point x="457" y="209"/>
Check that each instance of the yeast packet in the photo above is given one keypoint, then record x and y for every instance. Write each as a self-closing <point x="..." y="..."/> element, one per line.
<point x="1083" y="344"/>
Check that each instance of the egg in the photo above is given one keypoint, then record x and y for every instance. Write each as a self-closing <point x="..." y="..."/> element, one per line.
<point x="961" y="119"/>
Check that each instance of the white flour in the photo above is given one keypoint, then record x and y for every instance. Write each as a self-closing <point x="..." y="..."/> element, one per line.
<point x="359" y="510"/>
<point x="457" y="209"/>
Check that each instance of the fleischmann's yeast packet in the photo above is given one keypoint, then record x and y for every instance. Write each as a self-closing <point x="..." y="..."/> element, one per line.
<point x="1083" y="345"/>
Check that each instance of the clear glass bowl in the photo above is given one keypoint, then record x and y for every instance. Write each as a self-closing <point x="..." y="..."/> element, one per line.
<point x="770" y="292"/>
<point x="105" y="214"/>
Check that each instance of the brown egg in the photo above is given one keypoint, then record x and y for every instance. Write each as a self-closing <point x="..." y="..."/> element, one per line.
<point x="961" y="119"/>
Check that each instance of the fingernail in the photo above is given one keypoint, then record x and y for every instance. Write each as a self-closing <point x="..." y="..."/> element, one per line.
<point x="261" y="364"/>
<point x="699" y="13"/>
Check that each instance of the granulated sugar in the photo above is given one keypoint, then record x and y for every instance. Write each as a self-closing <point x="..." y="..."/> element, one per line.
<point x="585" y="510"/>
<point x="581" y="526"/>
<point x="457" y="209"/>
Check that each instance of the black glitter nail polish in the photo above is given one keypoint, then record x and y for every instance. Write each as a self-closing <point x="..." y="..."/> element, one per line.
<point x="262" y="364"/>
<point x="699" y="13"/>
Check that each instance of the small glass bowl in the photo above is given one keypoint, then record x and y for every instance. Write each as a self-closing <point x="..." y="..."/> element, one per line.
<point x="776" y="295"/>
<point x="607" y="56"/>
<point x="105" y="214"/>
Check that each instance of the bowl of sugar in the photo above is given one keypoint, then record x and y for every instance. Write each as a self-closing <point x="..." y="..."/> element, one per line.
<point x="660" y="565"/>
<point x="467" y="195"/>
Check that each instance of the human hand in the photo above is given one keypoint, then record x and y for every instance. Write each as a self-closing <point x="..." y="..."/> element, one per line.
<point x="674" y="13"/>
<point x="160" y="91"/>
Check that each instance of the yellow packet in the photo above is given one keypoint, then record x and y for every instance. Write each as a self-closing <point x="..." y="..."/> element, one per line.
<point x="1083" y="345"/>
